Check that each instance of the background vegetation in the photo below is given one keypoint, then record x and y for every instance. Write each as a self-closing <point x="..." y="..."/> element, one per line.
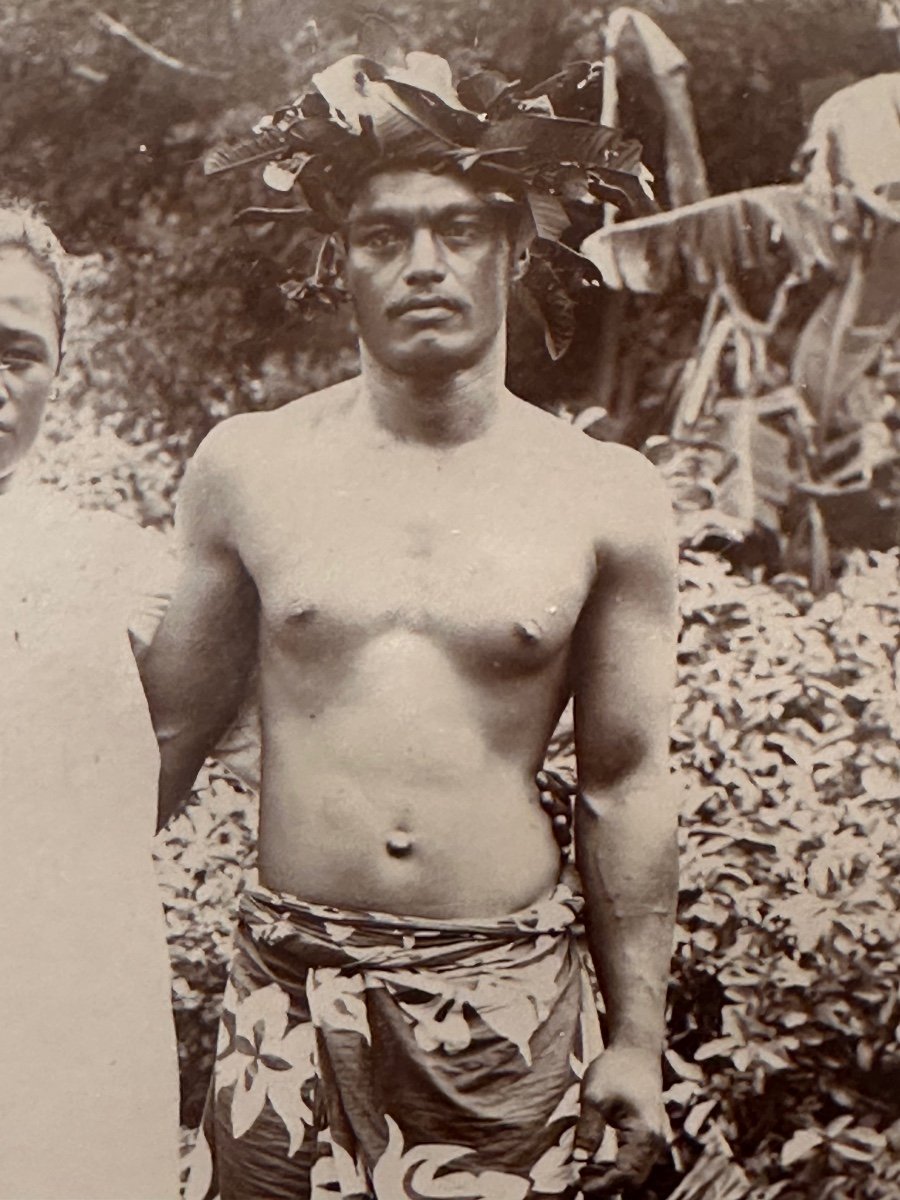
<point x="784" y="1070"/>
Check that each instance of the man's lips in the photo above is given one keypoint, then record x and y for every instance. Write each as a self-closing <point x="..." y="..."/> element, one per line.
<point x="423" y="304"/>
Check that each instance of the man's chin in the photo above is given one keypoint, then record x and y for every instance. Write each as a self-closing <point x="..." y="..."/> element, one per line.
<point x="437" y="358"/>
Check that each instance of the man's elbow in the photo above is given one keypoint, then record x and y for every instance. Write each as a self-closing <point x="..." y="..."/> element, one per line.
<point x="640" y="788"/>
<point x="621" y="766"/>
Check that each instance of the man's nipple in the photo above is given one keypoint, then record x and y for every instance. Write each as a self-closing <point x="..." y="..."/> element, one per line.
<point x="529" y="632"/>
<point x="301" y="611"/>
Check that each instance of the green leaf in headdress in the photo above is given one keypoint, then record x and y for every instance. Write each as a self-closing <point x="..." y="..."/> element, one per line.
<point x="456" y="125"/>
<point x="259" y="147"/>
<point x="318" y="186"/>
<point x="563" y="89"/>
<point x="544" y="139"/>
<point x="321" y="135"/>
<point x="481" y="91"/>
<point x="404" y="130"/>
<point x="550" y="217"/>
<point x="546" y="295"/>
<point x="622" y="189"/>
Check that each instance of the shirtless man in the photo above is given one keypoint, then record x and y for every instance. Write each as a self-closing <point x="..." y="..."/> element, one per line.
<point x="426" y="569"/>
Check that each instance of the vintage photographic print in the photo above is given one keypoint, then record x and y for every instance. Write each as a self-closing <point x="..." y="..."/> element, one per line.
<point x="449" y="599"/>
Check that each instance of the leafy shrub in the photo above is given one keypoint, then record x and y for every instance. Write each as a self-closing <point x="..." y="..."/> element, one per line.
<point x="785" y="1004"/>
<point x="201" y="859"/>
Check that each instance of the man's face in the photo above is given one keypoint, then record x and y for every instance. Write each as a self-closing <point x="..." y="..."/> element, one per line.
<point x="428" y="269"/>
<point x="29" y="353"/>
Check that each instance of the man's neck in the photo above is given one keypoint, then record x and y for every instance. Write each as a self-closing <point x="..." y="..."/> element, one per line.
<point x="434" y="410"/>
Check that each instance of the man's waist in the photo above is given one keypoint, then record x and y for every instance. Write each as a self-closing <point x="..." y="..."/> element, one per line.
<point x="326" y="933"/>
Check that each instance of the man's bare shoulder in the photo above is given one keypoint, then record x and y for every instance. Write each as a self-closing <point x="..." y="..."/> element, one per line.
<point x="617" y="477"/>
<point x="240" y="442"/>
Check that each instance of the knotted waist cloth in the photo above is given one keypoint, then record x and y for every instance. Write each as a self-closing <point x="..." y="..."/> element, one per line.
<point x="369" y="1055"/>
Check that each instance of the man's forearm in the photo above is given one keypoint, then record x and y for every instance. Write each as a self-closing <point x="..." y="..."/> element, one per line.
<point x="626" y="842"/>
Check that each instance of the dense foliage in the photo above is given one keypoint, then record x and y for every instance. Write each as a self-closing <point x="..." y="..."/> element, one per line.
<point x="786" y="732"/>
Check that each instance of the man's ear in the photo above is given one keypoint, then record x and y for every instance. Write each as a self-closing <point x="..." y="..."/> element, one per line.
<point x="522" y="242"/>
<point x="332" y="261"/>
<point x="521" y="263"/>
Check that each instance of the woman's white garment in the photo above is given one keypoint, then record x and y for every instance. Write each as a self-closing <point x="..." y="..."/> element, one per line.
<point x="88" y="1071"/>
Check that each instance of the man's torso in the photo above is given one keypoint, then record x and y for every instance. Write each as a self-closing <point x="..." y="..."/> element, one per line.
<point x="417" y="613"/>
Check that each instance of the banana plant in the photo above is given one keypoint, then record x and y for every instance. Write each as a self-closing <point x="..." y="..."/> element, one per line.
<point x="800" y="441"/>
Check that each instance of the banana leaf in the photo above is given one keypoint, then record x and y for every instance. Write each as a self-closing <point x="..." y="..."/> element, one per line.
<point x="854" y="141"/>
<point x="634" y="41"/>
<point x="758" y="486"/>
<point x="773" y="230"/>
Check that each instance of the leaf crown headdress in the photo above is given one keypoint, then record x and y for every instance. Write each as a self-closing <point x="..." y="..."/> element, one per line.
<point x="541" y="147"/>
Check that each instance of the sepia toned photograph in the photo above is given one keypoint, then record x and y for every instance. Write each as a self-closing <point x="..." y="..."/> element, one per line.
<point x="450" y="599"/>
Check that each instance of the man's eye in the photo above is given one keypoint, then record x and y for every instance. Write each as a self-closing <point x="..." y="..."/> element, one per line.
<point x="380" y="239"/>
<point x="17" y="360"/>
<point x="464" y="232"/>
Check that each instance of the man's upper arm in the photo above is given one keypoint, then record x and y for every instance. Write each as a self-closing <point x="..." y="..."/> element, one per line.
<point x="624" y="651"/>
<point x="212" y="572"/>
<point x="206" y="643"/>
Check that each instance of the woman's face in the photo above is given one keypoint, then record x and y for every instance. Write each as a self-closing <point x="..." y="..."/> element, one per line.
<point x="29" y="353"/>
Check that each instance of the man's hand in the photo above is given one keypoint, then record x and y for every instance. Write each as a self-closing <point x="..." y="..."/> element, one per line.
<point x="621" y="1088"/>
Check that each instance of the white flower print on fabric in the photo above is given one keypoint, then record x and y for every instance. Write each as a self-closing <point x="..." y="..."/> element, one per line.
<point x="439" y="1023"/>
<point x="550" y="914"/>
<point x="199" y="1169"/>
<point x="413" y="1173"/>
<point x="337" y="1001"/>
<point x="337" y="1173"/>
<point x="513" y="1003"/>
<point x="569" y="1106"/>
<point x="554" y="1171"/>
<point x="265" y="1061"/>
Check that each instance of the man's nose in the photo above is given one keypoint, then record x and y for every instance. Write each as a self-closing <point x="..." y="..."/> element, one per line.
<point x="426" y="262"/>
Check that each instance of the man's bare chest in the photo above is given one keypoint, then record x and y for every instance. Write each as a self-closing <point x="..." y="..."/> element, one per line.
<point x="493" y="568"/>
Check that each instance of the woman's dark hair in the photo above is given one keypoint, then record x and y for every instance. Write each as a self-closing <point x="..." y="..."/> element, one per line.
<point x="22" y="227"/>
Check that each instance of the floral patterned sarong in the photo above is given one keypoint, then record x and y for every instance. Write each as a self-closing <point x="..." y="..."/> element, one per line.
<point x="365" y="1055"/>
